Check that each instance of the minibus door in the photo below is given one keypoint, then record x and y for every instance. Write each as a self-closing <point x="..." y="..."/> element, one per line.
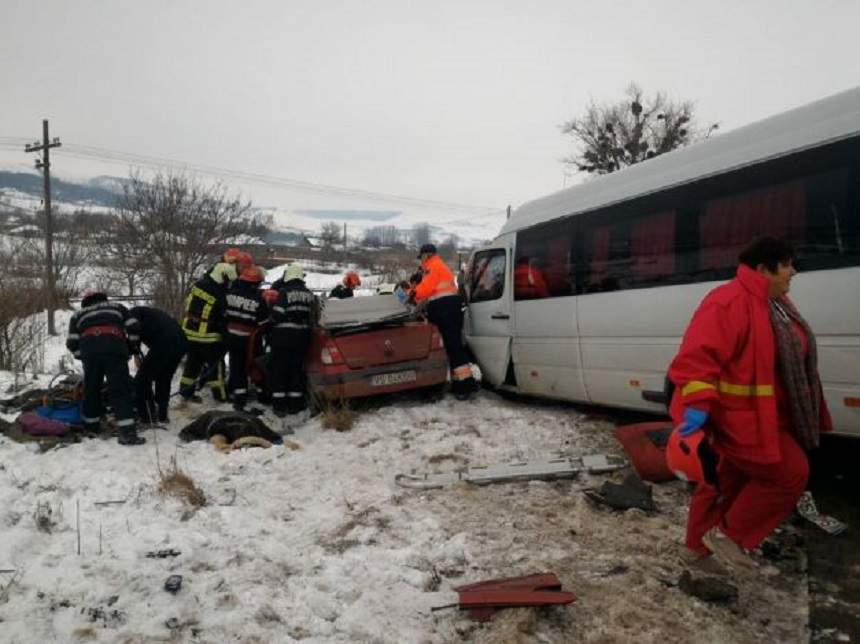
<point x="488" y="316"/>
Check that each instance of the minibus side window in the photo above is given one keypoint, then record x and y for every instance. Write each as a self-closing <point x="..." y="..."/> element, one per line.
<point x="487" y="276"/>
<point x="543" y="264"/>
<point x="728" y="224"/>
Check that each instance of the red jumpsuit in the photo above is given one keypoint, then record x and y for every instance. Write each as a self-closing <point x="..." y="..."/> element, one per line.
<point x="727" y="366"/>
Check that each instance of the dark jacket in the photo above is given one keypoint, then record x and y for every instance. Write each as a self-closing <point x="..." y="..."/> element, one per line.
<point x="204" y="311"/>
<point x="246" y="309"/>
<point x="340" y="292"/>
<point x="158" y="330"/>
<point x="295" y="310"/>
<point x="102" y="327"/>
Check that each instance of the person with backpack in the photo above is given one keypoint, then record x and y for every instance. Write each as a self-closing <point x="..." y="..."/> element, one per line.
<point x="246" y="311"/>
<point x="100" y="335"/>
<point x="166" y="346"/>
<point x="292" y="319"/>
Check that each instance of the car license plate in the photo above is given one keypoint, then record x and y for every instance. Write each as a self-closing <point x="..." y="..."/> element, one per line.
<point x="396" y="378"/>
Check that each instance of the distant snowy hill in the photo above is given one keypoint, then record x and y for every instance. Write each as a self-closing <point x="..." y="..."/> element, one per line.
<point x="19" y="189"/>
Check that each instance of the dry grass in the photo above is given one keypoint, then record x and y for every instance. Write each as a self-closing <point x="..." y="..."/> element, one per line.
<point x="337" y="416"/>
<point x="176" y="483"/>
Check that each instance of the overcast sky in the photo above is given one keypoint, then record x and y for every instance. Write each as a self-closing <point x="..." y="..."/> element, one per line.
<point x="449" y="100"/>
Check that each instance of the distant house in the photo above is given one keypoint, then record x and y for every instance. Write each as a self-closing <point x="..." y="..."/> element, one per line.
<point x="282" y="238"/>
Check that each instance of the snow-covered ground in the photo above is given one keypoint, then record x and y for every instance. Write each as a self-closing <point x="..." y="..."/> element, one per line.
<point x="319" y="545"/>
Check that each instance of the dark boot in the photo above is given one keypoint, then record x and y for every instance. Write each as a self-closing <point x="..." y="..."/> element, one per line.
<point x="128" y="436"/>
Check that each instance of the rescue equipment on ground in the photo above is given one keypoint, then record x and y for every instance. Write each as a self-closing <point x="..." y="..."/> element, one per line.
<point x="484" y="598"/>
<point x="562" y="467"/>
<point x="631" y="493"/>
<point x="807" y="509"/>
<point x="645" y="444"/>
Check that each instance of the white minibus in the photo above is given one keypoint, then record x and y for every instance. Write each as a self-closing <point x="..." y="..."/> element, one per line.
<point x="585" y="293"/>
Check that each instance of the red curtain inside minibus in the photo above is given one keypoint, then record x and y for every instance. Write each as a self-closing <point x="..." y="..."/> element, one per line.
<point x="652" y="247"/>
<point x="729" y="224"/>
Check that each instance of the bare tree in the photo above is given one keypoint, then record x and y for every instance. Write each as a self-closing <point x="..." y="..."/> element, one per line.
<point x="330" y="234"/>
<point x="421" y="234"/>
<point x="175" y="219"/>
<point x="611" y="136"/>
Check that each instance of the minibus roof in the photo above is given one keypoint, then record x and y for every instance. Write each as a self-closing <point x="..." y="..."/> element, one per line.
<point x="830" y="119"/>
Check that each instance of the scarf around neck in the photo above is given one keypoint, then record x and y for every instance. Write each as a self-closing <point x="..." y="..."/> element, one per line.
<point x="799" y="373"/>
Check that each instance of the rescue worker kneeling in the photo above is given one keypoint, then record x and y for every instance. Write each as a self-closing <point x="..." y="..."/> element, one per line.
<point x="246" y="310"/>
<point x="99" y="336"/>
<point x="292" y="319"/>
<point x="203" y="324"/>
<point x="444" y="309"/>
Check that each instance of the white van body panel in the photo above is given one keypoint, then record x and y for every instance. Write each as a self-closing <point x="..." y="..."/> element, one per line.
<point x="488" y="325"/>
<point x="546" y="349"/>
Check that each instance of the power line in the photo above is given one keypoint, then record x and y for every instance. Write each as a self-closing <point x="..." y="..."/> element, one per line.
<point x="90" y="152"/>
<point x="104" y="154"/>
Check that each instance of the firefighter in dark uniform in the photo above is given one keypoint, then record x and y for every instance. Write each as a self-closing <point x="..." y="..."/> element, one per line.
<point x="100" y="335"/>
<point x="292" y="318"/>
<point x="347" y="286"/>
<point x="246" y="311"/>
<point x="203" y="324"/>
<point x="166" y="346"/>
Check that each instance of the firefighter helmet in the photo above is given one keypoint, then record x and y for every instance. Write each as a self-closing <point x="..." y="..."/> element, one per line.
<point x="294" y="272"/>
<point x="231" y="255"/>
<point x="252" y="274"/>
<point x="244" y="260"/>
<point x="223" y="272"/>
<point x="691" y="458"/>
<point x="351" y="279"/>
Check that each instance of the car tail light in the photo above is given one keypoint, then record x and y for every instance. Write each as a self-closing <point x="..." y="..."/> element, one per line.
<point x="436" y="341"/>
<point x="330" y="354"/>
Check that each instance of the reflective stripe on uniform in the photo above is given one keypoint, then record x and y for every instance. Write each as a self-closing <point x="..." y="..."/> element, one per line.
<point x="291" y="325"/>
<point x="90" y="419"/>
<point x="240" y="391"/>
<point x="695" y="386"/>
<point x="295" y="394"/>
<point x="462" y="372"/>
<point x="185" y="380"/>
<point x="745" y="390"/>
<point x="125" y="422"/>
<point x="279" y="394"/>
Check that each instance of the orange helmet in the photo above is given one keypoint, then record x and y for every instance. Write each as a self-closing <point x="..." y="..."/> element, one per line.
<point x="270" y="296"/>
<point x="351" y="279"/>
<point x="231" y="255"/>
<point x="252" y="274"/>
<point x="691" y="458"/>
<point x="244" y="260"/>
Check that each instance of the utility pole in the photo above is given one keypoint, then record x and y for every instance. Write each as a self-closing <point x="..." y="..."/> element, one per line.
<point x="44" y="164"/>
<point x="344" y="235"/>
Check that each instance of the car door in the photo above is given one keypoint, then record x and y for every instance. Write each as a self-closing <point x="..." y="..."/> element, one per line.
<point x="488" y="323"/>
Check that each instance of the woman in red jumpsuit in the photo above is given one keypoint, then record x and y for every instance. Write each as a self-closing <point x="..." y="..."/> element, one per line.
<point x="746" y="374"/>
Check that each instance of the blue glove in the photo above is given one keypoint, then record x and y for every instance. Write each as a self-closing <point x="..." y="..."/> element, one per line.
<point x="694" y="420"/>
<point x="401" y="295"/>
